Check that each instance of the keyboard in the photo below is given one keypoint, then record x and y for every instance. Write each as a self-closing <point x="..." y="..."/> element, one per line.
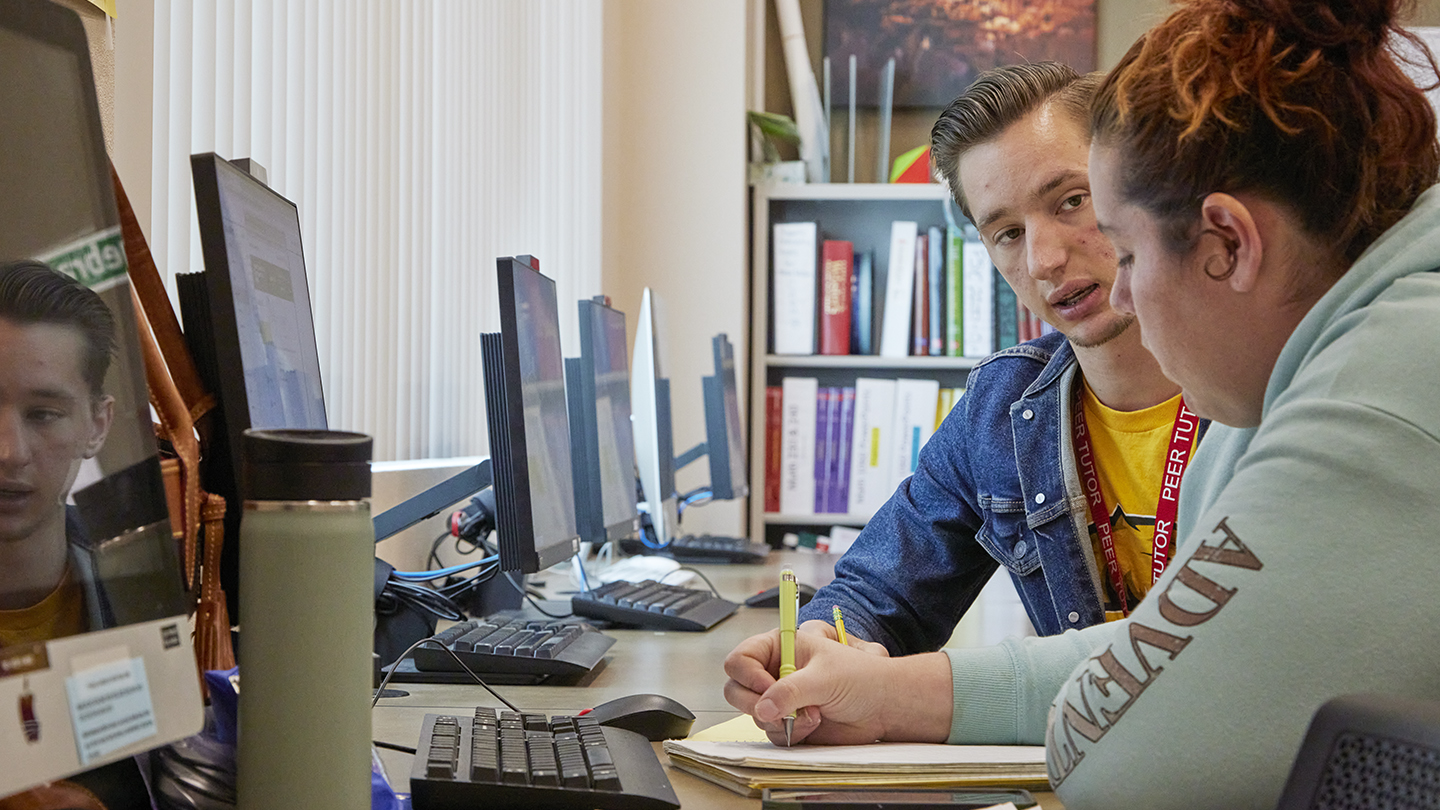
<point x="705" y="548"/>
<point x="508" y="644"/>
<point x="653" y="605"/>
<point x="506" y="759"/>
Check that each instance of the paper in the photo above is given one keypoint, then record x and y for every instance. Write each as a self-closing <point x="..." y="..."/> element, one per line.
<point x="110" y="707"/>
<point x="886" y="757"/>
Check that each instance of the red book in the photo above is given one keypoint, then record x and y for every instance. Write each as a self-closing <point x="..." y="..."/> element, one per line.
<point x="836" y="258"/>
<point x="773" y="401"/>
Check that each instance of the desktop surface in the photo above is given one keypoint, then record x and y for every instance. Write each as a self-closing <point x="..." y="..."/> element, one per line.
<point x="684" y="666"/>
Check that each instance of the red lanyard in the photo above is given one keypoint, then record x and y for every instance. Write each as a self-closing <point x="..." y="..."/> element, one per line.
<point x="1182" y="441"/>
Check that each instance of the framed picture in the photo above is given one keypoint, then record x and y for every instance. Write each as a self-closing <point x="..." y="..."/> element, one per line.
<point x="940" y="46"/>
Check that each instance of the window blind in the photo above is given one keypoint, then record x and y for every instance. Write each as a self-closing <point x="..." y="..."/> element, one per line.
<point x="420" y="140"/>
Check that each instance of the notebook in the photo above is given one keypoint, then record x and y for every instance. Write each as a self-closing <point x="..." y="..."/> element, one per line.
<point x="737" y="755"/>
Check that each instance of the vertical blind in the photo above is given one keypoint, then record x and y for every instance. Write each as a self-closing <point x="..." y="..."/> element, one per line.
<point x="420" y="140"/>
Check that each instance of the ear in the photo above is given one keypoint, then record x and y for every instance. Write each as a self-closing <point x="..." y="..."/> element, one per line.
<point x="102" y="414"/>
<point x="1234" y="240"/>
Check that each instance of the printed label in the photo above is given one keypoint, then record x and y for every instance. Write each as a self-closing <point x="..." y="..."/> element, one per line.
<point x="110" y="707"/>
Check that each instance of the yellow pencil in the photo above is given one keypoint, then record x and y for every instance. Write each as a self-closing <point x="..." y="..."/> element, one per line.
<point x="839" y="624"/>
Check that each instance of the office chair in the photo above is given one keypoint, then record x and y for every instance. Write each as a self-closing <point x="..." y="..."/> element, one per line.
<point x="1368" y="752"/>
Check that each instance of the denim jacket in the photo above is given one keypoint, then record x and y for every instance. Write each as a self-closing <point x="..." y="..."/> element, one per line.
<point x="996" y="485"/>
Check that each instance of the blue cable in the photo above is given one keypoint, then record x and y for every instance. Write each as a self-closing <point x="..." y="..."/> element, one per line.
<point x="427" y="576"/>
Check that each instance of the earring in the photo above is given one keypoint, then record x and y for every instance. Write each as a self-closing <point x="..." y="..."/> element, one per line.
<point x="1232" y="248"/>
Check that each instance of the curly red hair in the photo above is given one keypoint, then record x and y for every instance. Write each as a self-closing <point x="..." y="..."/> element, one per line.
<point x="1304" y="103"/>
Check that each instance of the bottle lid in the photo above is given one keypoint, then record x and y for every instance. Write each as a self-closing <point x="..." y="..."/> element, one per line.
<point x="306" y="465"/>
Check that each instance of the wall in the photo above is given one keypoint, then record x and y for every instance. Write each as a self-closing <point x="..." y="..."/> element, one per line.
<point x="674" y="214"/>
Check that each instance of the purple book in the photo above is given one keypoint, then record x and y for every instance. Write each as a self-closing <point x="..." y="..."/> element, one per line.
<point x="827" y="401"/>
<point x="840" y="477"/>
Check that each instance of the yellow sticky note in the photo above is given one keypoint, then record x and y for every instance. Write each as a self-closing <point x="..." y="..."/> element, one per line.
<point x="107" y="6"/>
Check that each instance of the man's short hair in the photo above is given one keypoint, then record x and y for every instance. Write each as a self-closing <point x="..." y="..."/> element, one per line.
<point x="33" y="293"/>
<point x="999" y="98"/>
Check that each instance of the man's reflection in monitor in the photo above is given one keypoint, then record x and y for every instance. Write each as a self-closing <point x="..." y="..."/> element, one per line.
<point x="56" y="341"/>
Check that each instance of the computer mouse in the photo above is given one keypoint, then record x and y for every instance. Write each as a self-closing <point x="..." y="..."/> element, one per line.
<point x="654" y="717"/>
<point x="770" y="597"/>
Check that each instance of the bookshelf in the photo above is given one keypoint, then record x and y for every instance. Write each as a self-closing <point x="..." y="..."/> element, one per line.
<point x="862" y="214"/>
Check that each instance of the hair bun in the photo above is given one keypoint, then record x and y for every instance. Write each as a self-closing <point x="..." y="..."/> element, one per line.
<point x="1327" y="24"/>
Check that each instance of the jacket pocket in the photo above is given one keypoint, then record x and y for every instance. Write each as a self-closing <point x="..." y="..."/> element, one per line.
<point x="1007" y="538"/>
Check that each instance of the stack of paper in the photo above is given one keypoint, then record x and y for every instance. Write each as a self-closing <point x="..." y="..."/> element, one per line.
<point x="749" y="765"/>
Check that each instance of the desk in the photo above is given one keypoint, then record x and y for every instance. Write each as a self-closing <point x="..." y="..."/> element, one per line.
<point x="684" y="666"/>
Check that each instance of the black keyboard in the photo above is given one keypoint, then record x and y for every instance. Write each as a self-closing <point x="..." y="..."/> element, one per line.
<point x="704" y="548"/>
<point x="508" y="644"/>
<point x="653" y="605"/>
<point x="528" y="760"/>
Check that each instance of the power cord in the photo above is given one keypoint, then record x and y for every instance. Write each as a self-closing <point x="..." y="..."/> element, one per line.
<point x="530" y="597"/>
<point x="379" y="691"/>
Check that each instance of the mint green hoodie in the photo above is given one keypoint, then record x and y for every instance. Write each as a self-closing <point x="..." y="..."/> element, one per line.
<point x="1307" y="568"/>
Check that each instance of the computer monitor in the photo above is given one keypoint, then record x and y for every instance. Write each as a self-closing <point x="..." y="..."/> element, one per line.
<point x="528" y="425"/>
<point x="654" y="441"/>
<point x="120" y="679"/>
<point x="725" y="444"/>
<point x="602" y="443"/>
<point x="249" y="311"/>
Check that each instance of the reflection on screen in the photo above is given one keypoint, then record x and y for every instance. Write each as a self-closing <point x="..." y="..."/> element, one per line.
<point x="542" y="395"/>
<point x="46" y="147"/>
<point x="272" y="304"/>
<point x="612" y="417"/>
<point x="732" y="420"/>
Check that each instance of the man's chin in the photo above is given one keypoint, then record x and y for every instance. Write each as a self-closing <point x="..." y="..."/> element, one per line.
<point x="1100" y="334"/>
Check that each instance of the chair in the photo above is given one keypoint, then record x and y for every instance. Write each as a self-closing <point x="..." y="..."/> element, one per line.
<point x="1368" y="752"/>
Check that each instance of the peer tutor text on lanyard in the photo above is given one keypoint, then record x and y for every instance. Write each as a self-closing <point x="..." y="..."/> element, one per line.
<point x="1182" y="442"/>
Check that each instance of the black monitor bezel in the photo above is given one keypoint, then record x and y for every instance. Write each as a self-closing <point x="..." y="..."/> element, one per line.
<point x="724" y="485"/>
<point x="583" y="395"/>
<point x="514" y="505"/>
<point x="224" y="327"/>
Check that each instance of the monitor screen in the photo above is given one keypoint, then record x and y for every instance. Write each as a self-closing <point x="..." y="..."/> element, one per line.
<point x="84" y="525"/>
<point x="602" y="440"/>
<point x="722" y="425"/>
<point x="260" y="300"/>
<point x="654" y="443"/>
<point x="528" y="424"/>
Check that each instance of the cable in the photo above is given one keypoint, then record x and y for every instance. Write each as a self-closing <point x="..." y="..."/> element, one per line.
<point x="531" y="599"/>
<point x="393" y="747"/>
<point x="695" y="571"/>
<point x="418" y="598"/>
<point x="427" y="576"/>
<point x="380" y="690"/>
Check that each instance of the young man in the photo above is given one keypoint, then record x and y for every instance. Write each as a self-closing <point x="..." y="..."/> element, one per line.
<point x="1062" y="461"/>
<point x="57" y="337"/>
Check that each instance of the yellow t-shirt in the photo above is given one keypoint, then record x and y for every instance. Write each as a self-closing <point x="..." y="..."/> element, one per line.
<point x="60" y="614"/>
<point x="1129" y="449"/>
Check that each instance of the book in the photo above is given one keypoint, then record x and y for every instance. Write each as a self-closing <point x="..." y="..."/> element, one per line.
<point x="1007" y="314"/>
<point x="794" y="280"/>
<point x="978" y="282"/>
<point x="920" y="314"/>
<point x="827" y="417"/>
<point x="835" y="269"/>
<point x="797" y="445"/>
<point x="954" y="284"/>
<point x="730" y="755"/>
<point x="864" y="304"/>
<point x="942" y="408"/>
<point x="914" y="420"/>
<point x="840" y="470"/>
<point x="854" y="303"/>
<point x="899" y="288"/>
<point x="773" y="394"/>
<point x="935" y="253"/>
<point x="870" y="462"/>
